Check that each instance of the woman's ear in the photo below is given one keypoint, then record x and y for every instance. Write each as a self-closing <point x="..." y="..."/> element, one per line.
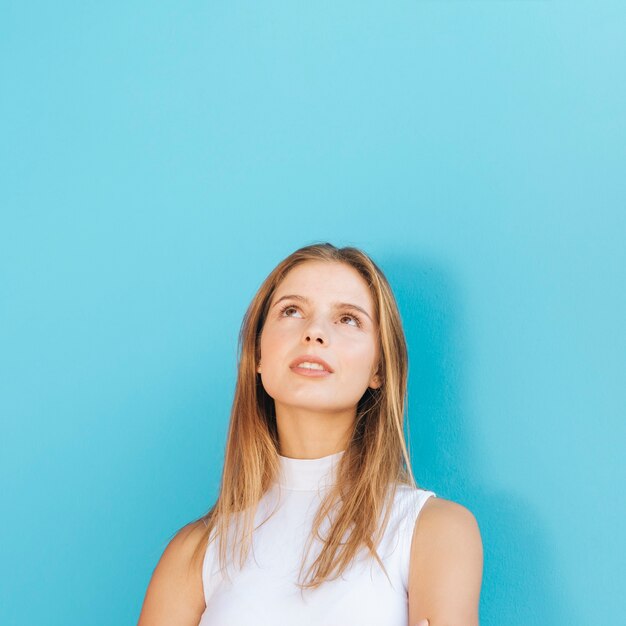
<point x="258" y="367"/>
<point x="375" y="381"/>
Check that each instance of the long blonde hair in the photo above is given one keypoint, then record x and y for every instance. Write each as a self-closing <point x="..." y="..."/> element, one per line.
<point x="374" y="462"/>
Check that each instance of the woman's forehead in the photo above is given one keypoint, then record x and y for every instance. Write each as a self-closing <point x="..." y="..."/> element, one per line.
<point x="321" y="281"/>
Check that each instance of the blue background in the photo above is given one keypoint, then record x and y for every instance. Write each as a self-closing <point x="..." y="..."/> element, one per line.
<point x="157" y="159"/>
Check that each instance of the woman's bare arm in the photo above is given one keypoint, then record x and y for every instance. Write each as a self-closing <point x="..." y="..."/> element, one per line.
<point x="175" y="594"/>
<point x="446" y="566"/>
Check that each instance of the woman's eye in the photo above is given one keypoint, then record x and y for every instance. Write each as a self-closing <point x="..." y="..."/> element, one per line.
<point x="357" y="322"/>
<point x="352" y="317"/>
<point x="287" y="308"/>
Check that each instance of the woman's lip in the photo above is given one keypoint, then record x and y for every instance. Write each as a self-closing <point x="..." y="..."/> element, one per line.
<point x="305" y="371"/>
<point x="311" y="358"/>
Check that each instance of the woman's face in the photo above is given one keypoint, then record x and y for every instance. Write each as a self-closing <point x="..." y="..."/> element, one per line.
<point x="323" y="309"/>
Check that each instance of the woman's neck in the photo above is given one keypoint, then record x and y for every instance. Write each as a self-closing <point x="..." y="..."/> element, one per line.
<point x="305" y="434"/>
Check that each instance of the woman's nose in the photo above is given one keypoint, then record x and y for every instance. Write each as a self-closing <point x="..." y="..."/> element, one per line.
<point x="315" y="331"/>
<point x="312" y="337"/>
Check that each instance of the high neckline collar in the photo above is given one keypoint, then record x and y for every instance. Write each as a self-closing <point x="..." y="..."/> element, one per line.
<point x="308" y="474"/>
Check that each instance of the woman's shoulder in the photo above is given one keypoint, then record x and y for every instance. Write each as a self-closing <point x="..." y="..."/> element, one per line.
<point x="440" y="516"/>
<point x="175" y="593"/>
<point x="446" y="556"/>
<point x="446" y="530"/>
<point x="434" y="511"/>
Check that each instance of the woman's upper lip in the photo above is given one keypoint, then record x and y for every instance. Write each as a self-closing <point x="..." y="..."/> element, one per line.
<point x="311" y="358"/>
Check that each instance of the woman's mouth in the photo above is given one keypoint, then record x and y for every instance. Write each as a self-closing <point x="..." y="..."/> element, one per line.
<point x="313" y="370"/>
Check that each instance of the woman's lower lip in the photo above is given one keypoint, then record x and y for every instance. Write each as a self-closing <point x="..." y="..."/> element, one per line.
<point x="309" y="372"/>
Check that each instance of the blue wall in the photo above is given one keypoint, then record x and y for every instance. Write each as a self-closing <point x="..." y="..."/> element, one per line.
<point x="157" y="159"/>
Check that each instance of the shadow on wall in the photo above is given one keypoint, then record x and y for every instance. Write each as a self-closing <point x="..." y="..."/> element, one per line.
<point x="520" y="582"/>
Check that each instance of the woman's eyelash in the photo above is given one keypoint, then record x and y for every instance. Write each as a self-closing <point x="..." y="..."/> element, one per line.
<point x="355" y="317"/>
<point x="284" y="308"/>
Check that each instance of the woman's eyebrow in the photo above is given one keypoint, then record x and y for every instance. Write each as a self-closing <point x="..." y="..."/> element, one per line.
<point x="336" y="305"/>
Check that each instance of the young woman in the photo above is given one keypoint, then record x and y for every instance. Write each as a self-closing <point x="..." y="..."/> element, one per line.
<point x="319" y="520"/>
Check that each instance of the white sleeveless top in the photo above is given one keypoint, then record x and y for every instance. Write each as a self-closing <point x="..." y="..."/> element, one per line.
<point x="264" y="591"/>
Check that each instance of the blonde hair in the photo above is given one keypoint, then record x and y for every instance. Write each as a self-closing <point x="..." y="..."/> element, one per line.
<point x="375" y="461"/>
